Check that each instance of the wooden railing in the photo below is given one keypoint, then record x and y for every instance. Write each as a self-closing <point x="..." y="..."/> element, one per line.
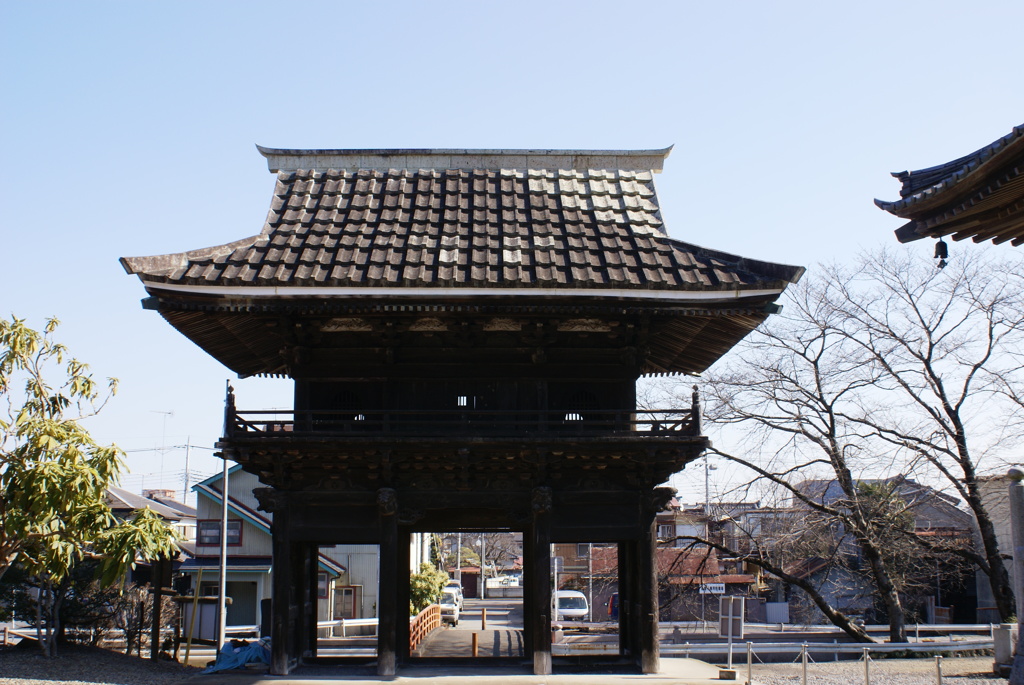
<point x="424" y="623"/>
<point x="428" y="423"/>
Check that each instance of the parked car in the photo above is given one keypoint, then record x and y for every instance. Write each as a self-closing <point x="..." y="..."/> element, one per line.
<point x="569" y="605"/>
<point x="456" y="587"/>
<point x="450" y="607"/>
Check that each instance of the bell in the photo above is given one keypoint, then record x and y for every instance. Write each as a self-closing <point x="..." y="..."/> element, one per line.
<point x="941" y="251"/>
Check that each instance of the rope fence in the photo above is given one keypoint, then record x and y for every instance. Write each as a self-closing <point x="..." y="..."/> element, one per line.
<point x="803" y="652"/>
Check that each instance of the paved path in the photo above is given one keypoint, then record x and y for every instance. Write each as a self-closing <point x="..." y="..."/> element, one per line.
<point x="674" y="672"/>
<point x="502" y="637"/>
<point x="447" y="642"/>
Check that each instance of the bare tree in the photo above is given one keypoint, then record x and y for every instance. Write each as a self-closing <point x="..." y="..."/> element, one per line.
<point x="786" y="389"/>
<point x="940" y="343"/>
<point x="884" y="369"/>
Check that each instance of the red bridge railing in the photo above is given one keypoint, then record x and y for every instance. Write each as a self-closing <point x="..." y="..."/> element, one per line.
<point x="423" y="624"/>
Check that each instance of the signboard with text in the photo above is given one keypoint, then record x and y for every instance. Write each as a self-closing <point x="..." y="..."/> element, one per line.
<point x="712" y="589"/>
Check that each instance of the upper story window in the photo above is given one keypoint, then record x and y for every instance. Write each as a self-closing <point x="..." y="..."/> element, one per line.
<point x="209" y="533"/>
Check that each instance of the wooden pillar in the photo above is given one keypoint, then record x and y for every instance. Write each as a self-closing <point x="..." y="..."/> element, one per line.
<point x="312" y="596"/>
<point x="299" y="559"/>
<point x="281" y="656"/>
<point x="647" y="599"/>
<point x="160" y="580"/>
<point x="403" y="594"/>
<point x="538" y="566"/>
<point x="387" y="595"/>
<point x="527" y="583"/>
<point x="625" y="558"/>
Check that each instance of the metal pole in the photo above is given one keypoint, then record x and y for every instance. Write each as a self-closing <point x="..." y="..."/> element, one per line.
<point x="1016" y="475"/>
<point x="458" y="559"/>
<point x="707" y="532"/>
<point x="938" y="670"/>
<point x="750" y="663"/>
<point x="803" y="662"/>
<point x="590" y="582"/>
<point x="867" y="667"/>
<point x="222" y="610"/>
<point x="188" y="453"/>
<point x="483" y="566"/>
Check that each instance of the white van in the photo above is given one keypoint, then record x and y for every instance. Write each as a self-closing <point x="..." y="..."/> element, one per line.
<point x="456" y="587"/>
<point x="569" y="605"/>
<point x="451" y="606"/>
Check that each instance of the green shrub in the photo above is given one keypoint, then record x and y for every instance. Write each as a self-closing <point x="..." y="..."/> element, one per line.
<point x="425" y="587"/>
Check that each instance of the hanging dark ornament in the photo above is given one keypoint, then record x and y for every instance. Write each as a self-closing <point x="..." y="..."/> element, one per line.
<point x="941" y="253"/>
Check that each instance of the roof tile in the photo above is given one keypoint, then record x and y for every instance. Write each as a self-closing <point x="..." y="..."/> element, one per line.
<point x="584" y="228"/>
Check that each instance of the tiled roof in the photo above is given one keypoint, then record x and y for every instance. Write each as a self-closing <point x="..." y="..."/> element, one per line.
<point x="490" y="228"/>
<point x="122" y="500"/>
<point x="977" y="196"/>
<point x="671" y="561"/>
<point x="923" y="183"/>
<point x="494" y="231"/>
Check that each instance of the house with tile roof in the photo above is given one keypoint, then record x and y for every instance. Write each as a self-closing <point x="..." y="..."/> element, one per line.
<point x="180" y="517"/>
<point x="465" y="329"/>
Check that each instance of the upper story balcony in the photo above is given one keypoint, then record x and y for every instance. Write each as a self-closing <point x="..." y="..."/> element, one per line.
<point x="319" y="425"/>
<point x="462" y="449"/>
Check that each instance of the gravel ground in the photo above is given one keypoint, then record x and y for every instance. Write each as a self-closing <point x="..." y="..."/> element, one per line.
<point x="74" y="665"/>
<point x="955" y="671"/>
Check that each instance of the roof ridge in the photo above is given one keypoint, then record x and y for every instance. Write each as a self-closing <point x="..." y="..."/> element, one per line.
<point x="287" y="159"/>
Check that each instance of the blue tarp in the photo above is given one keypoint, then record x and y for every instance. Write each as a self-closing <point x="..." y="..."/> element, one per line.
<point x="238" y="653"/>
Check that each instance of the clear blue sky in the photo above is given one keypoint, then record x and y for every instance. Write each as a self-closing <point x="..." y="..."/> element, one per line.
<point x="128" y="128"/>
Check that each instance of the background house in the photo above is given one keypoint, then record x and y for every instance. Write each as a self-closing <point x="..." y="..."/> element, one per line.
<point x="930" y="580"/>
<point x="179" y="516"/>
<point x="346" y="574"/>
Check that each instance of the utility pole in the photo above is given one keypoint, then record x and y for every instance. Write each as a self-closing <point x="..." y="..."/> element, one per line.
<point x="188" y="453"/>
<point x="483" y="566"/>
<point x="590" y="581"/>
<point x="458" y="559"/>
<point x="222" y="622"/>
<point x="708" y="468"/>
<point x="222" y="612"/>
<point x="163" y="441"/>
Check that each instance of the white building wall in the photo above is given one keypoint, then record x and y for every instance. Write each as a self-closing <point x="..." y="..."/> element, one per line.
<point x="361" y="561"/>
<point x="363" y="564"/>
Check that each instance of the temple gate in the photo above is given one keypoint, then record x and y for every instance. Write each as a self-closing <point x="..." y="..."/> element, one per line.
<point x="465" y="330"/>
